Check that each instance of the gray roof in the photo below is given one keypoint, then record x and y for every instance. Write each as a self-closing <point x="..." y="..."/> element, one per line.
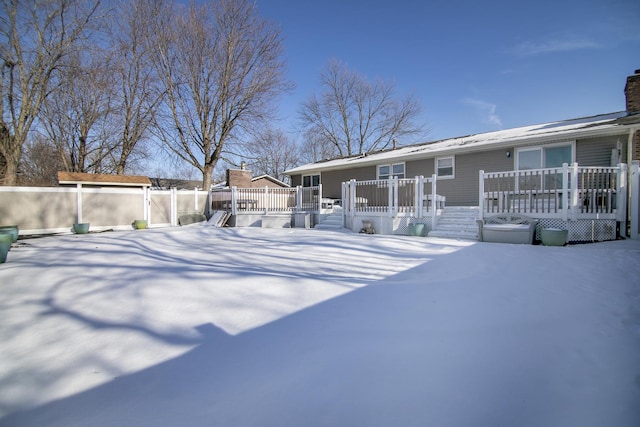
<point x="605" y="124"/>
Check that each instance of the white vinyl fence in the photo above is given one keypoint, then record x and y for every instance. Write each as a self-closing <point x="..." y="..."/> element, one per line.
<point x="46" y="210"/>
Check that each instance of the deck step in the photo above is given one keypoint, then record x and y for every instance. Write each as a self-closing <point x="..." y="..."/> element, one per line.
<point x="457" y="222"/>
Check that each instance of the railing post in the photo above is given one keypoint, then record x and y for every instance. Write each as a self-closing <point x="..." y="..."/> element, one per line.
<point x="621" y="194"/>
<point x="298" y="198"/>
<point x="195" y="199"/>
<point x="267" y="201"/>
<point x="234" y="198"/>
<point x="564" y="199"/>
<point x="390" y="196"/>
<point x="574" y="192"/>
<point x="434" y="203"/>
<point x="634" y="199"/>
<point x="352" y="200"/>
<point x="481" y="200"/>
<point x="319" y="197"/>
<point x="419" y="190"/>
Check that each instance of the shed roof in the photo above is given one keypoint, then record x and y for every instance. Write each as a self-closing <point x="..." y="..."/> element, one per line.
<point x="603" y="124"/>
<point x="103" y="179"/>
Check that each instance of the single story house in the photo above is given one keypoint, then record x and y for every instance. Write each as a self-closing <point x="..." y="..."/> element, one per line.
<point x="605" y="140"/>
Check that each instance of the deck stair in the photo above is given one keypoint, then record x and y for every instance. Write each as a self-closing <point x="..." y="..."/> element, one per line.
<point x="331" y="221"/>
<point x="457" y="222"/>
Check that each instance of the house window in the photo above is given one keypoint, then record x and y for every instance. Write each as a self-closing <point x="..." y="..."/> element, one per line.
<point x="445" y="167"/>
<point x="387" y="171"/>
<point x="311" y="180"/>
<point x="552" y="156"/>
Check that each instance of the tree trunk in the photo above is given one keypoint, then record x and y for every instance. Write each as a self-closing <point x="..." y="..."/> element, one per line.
<point x="206" y="177"/>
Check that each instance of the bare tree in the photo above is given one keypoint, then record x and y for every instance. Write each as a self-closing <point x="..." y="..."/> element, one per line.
<point x="357" y="116"/>
<point x="221" y="68"/>
<point x="137" y="98"/>
<point x="271" y="154"/>
<point x="74" y="115"/>
<point x="35" y="36"/>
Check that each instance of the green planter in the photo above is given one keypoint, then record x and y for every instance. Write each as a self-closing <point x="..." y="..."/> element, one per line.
<point x="416" y="229"/>
<point x="82" y="228"/>
<point x="140" y="224"/>
<point x="554" y="237"/>
<point x="10" y="229"/>
<point x="5" y="245"/>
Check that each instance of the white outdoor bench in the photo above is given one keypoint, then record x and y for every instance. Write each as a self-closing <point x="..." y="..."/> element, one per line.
<point x="507" y="228"/>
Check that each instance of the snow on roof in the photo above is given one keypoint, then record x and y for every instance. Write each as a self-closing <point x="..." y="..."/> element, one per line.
<point x="565" y="129"/>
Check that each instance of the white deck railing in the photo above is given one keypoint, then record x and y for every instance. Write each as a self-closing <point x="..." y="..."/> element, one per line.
<point x="569" y="192"/>
<point x="412" y="197"/>
<point x="267" y="200"/>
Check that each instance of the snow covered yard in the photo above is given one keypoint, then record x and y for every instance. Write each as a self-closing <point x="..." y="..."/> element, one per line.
<point x="260" y="327"/>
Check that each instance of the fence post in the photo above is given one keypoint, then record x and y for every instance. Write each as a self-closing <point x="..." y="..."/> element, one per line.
<point x="298" y="198"/>
<point x="634" y="199"/>
<point x="267" y="201"/>
<point x="481" y="200"/>
<point x="146" y="202"/>
<point x="195" y="199"/>
<point x="174" y="206"/>
<point x="319" y="197"/>
<point x="234" y="196"/>
<point x="79" y="202"/>
<point x="434" y="202"/>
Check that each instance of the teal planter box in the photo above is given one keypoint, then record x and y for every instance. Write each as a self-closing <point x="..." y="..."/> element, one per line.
<point x="416" y="229"/>
<point x="554" y="237"/>
<point x="10" y="229"/>
<point x="5" y="245"/>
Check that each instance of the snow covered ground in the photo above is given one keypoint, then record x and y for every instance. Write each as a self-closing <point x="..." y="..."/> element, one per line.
<point x="198" y="326"/>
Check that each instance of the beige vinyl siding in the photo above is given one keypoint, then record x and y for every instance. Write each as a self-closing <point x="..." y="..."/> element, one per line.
<point x="597" y="151"/>
<point x="332" y="180"/>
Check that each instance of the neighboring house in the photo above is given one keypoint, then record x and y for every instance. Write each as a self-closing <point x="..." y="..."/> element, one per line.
<point x="102" y="180"/>
<point x="603" y="140"/>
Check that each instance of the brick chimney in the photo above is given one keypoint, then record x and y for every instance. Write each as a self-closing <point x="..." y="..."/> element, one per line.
<point x="239" y="178"/>
<point x="632" y="93"/>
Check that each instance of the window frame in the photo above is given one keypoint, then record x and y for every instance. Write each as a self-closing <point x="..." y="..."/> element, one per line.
<point x="390" y="174"/>
<point x="311" y="180"/>
<point x="453" y="167"/>
<point x="541" y="148"/>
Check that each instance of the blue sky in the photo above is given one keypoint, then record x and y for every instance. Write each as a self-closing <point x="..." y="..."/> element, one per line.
<point x="474" y="66"/>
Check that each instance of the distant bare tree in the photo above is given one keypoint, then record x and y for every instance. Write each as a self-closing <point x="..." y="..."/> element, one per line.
<point x="357" y="116"/>
<point x="272" y="153"/>
<point x="40" y="164"/>
<point x="221" y="68"/>
<point x="35" y="37"/>
<point x="314" y="148"/>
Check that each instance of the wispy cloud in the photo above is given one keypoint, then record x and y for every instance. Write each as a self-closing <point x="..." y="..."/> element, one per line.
<point x="537" y="48"/>
<point x="487" y="111"/>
